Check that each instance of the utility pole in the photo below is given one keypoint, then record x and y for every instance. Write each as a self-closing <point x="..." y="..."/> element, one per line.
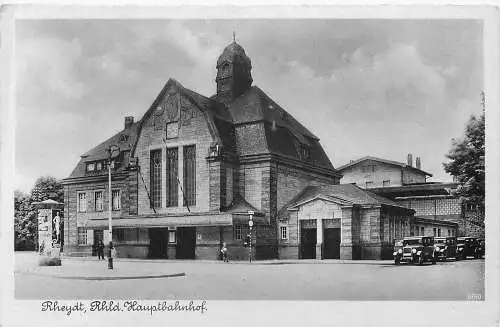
<point x="250" y="224"/>
<point x="112" y="149"/>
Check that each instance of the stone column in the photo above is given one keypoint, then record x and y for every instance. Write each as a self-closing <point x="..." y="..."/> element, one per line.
<point x="319" y="238"/>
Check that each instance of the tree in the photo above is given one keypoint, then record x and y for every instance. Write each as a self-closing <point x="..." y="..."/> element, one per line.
<point x="25" y="213"/>
<point x="47" y="187"/>
<point x="25" y="222"/>
<point x="467" y="162"/>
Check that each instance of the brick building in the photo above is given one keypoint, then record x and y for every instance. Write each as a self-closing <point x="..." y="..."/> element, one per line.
<point x="370" y="172"/>
<point x="438" y="211"/>
<point x="189" y="171"/>
<point x="341" y="222"/>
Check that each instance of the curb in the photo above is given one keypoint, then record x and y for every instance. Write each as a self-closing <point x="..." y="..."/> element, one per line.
<point x="97" y="278"/>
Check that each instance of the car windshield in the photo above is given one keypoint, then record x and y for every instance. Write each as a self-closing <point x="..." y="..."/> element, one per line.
<point x="398" y="243"/>
<point x="427" y="241"/>
<point x="412" y="242"/>
<point x="440" y="241"/>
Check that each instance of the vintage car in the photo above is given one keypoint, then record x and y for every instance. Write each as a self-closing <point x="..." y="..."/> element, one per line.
<point x="468" y="247"/>
<point x="416" y="249"/>
<point x="445" y="247"/>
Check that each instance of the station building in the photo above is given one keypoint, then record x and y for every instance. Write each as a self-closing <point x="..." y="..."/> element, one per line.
<point x="186" y="175"/>
<point x="438" y="211"/>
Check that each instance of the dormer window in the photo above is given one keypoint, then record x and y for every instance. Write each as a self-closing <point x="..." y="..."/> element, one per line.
<point x="91" y="167"/>
<point x="123" y="138"/>
<point x="305" y="152"/>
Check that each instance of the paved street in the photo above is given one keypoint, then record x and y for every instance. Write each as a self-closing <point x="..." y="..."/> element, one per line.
<point x="280" y="280"/>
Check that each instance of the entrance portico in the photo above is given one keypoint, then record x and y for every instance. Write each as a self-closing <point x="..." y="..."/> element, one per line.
<point x="342" y="222"/>
<point x="319" y="228"/>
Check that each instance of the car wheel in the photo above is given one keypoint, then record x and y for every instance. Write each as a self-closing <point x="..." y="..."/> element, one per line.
<point x="421" y="260"/>
<point x="433" y="260"/>
<point x="397" y="262"/>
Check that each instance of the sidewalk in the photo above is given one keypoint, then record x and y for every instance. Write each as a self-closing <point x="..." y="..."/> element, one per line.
<point x="254" y="262"/>
<point x="92" y="269"/>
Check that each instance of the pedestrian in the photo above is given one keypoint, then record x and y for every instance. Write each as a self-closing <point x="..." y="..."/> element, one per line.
<point x="100" y="250"/>
<point x="111" y="255"/>
<point x="224" y="252"/>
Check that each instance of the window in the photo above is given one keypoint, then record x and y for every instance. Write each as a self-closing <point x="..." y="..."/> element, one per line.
<point x="421" y="231"/>
<point x="386" y="183"/>
<point x="119" y="234"/>
<point x="368" y="184"/>
<point x="98" y="201"/>
<point x="91" y="167"/>
<point x="116" y="199"/>
<point x="416" y="230"/>
<point x="190" y="175"/>
<point x="99" y="166"/>
<point x="439" y="232"/>
<point x="172" y="177"/>
<point x="82" y="202"/>
<point x="82" y="236"/>
<point x="434" y="231"/>
<point x="283" y="233"/>
<point x="238" y="233"/>
<point x="305" y="153"/>
<point x="171" y="236"/>
<point x="449" y="232"/>
<point x="172" y="130"/>
<point x="155" y="178"/>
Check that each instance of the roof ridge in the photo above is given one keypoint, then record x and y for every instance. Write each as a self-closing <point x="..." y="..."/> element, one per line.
<point x="393" y="162"/>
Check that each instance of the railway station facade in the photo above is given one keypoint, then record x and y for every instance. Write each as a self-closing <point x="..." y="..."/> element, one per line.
<point x="186" y="176"/>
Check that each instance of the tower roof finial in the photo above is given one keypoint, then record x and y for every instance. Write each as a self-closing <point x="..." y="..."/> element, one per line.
<point x="234" y="36"/>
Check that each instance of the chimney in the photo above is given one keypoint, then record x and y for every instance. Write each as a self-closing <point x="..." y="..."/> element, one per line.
<point x="418" y="164"/>
<point x="129" y="120"/>
<point x="410" y="160"/>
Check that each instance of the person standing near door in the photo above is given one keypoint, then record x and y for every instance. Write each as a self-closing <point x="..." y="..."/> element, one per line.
<point x="100" y="250"/>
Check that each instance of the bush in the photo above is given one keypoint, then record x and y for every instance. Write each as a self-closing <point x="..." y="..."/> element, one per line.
<point x="49" y="261"/>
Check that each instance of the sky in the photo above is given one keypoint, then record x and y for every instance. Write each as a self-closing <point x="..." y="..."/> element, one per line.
<point x="381" y="88"/>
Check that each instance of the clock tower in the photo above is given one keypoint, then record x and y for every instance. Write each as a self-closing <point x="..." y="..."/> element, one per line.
<point x="233" y="73"/>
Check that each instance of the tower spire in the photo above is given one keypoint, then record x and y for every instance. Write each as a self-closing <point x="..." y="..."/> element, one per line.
<point x="234" y="36"/>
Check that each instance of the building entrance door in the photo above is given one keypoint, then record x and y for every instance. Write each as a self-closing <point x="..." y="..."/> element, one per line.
<point x="186" y="243"/>
<point x="98" y="237"/>
<point x="331" y="243"/>
<point x="308" y="243"/>
<point x="158" y="240"/>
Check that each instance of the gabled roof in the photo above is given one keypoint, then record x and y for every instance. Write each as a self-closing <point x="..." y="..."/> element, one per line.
<point x="255" y="105"/>
<point x="124" y="139"/>
<point x="240" y="206"/>
<point x="348" y="193"/>
<point x="280" y="128"/>
<point x="389" y="162"/>
<point x="218" y="117"/>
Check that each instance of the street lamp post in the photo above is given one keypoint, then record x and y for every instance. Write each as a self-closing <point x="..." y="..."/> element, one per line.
<point x="111" y="151"/>
<point x="250" y="224"/>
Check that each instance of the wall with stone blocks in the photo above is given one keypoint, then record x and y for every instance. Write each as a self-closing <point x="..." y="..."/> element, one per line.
<point x="433" y="207"/>
<point x="192" y="131"/>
